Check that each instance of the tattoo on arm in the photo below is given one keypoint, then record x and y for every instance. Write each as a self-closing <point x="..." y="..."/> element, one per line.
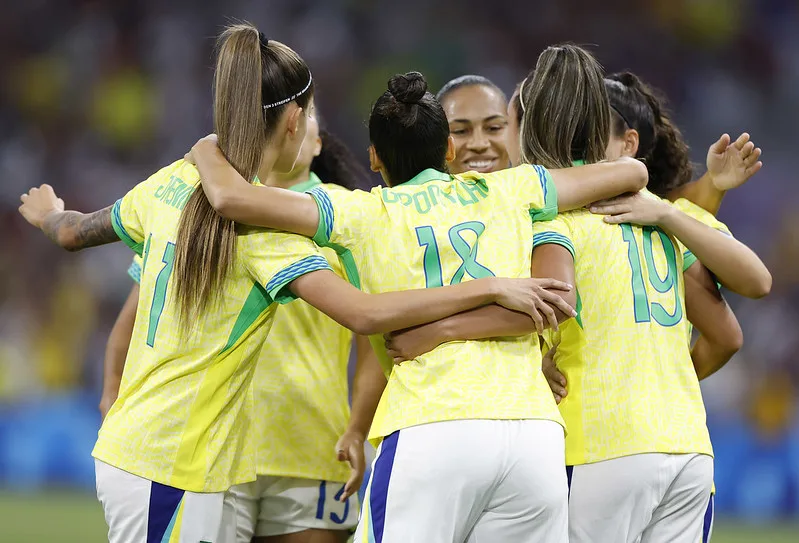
<point x="74" y="231"/>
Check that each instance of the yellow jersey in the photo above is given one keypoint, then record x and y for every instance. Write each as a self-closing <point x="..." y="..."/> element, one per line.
<point x="632" y="385"/>
<point x="301" y="388"/>
<point x="183" y="413"/>
<point x="439" y="229"/>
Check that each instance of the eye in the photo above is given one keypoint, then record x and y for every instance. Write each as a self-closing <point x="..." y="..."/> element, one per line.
<point x="459" y="132"/>
<point x="497" y="128"/>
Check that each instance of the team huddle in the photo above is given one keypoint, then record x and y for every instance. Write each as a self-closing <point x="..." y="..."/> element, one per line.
<point x="546" y="391"/>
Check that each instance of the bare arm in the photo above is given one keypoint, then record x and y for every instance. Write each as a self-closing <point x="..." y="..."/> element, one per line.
<point x="367" y="388"/>
<point x="238" y="200"/>
<point x="720" y="334"/>
<point x="579" y="186"/>
<point x="71" y="230"/>
<point x="734" y="264"/>
<point x="369" y="314"/>
<point x="74" y="231"/>
<point x="491" y="321"/>
<point x="729" y="165"/>
<point x="116" y="350"/>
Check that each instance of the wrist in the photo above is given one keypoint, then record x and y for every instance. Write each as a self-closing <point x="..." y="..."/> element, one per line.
<point x="357" y="430"/>
<point x="668" y="216"/>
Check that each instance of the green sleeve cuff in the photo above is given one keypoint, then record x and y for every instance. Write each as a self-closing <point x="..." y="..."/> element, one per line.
<point x="275" y="288"/>
<point x="326" y="216"/>
<point x="545" y="238"/>
<point x="688" y="260"/>
<point x="116" y="222"/>
<point x="550" y="209"/>
<point x="134" y="271"/>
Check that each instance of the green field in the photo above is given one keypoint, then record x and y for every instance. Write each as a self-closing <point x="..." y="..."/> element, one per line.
<point x="77" y="518"/>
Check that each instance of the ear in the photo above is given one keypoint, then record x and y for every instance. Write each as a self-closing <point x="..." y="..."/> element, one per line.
<point x="375" y="164"/>
<point x="294" y="116"/>
<point x="451" y="152"/>
<point x="631" y="142"/>
<point x="317" y="150"/>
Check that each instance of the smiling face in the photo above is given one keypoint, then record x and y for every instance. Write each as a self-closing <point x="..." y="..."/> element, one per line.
<point x="478" y="123"/>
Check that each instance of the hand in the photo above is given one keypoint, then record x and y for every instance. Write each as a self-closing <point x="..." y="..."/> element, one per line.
<point x="404" y="345"/>
<point x="731" y="165"/>
<point x="555" y="379"/>
<point x="349" y="448"/>
<point x="635" y="209"/>
<point x="533" y="296"/>
<point x="209" y="140"/>
<point x="38" y="203"/>
<point x="106" y="402"/>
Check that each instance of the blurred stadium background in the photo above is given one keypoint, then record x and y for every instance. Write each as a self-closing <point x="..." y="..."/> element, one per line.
<point x="98" y="94"/>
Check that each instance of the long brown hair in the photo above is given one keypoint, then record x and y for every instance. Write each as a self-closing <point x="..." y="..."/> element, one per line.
<point x="254" y="77"/>
<point x="638" y="106"/>
<point x="566" y="116"/>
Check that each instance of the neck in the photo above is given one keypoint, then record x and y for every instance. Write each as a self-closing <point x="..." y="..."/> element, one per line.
<point x="268" y="161"/>
<point x="288" y="180"/>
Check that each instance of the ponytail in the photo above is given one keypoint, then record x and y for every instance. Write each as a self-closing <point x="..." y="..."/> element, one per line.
<point x="251" y="71"/>
<point x="661" y="144"/>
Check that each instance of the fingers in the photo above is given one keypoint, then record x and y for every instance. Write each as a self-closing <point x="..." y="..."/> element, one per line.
<point x="357" y="465"/>
<point x="753" y="157"/>
<point x="558" y="302"/>
<point x="619" y="219"/>
<point x="747" y="149"/>
<point x="550" y="283"/>
<point x="741" y="141"/>
<point x="537" y="320"/>
<point x="753" y="169"/>
<point x="549" y="314"/>
<point x="615" y="209"/>
<point x="721" y="145"/>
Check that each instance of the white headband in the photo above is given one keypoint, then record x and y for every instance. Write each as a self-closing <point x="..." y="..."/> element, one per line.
<point x="291" y="98"/>
<point x="521" y="93"/>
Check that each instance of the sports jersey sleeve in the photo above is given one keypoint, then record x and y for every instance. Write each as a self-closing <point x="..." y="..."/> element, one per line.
<point x="703" y="216"/>
<point x="533" y="183"/>
<point x="276" y="259"/>
<point x="344" y="216"/>
<point x="557" y="231"/>
<point x="127" y="218"/>
<point x="134" y="271"/>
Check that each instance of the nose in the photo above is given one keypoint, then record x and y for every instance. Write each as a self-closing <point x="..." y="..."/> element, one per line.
<point x="478" y="142"/>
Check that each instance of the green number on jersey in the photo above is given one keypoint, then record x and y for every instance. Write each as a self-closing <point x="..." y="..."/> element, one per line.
<point x="159" y="296"/>
<point x="467" y="253"/>
<point x="642" y="309"/>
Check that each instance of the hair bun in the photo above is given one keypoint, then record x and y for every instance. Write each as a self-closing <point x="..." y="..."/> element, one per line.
<point x="408" y="88"/>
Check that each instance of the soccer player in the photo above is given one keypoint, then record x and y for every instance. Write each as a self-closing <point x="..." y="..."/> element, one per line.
<point x="622" y="380"/>
<point x="477" y="111"/>
<point x="300" y="388"/>
<point x="175" y="440"/>
<point x="431" y="228"/>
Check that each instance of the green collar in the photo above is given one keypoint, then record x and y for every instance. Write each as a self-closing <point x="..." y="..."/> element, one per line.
<point x="430" y="174"/>
<point x="578" y="163"/>
<point x="313" y="180"/>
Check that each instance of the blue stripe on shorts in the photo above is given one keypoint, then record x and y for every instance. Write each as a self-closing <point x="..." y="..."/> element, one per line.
<point x="707" y="527"/>
<point x="569" y="472"/>
<point x="164" y="503"/>
<point x="379" y="489"/>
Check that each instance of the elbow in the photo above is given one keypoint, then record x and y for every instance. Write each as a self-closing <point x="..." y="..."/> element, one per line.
<point x="639" y="175"/>
<point x="221" y="201"/>
<point x="68" y="241"/>
<point x="759" y="287"/>
<point x="364" y="323"/>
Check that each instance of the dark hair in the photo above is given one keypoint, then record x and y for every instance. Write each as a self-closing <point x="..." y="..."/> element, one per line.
<point x="336" y="163"/>
<point x="254" y="81"/>
<point x="660" y="143"/>
<point x="408" y="128"/>
<point x="468" y="81"/>
<point x="566" y="116"/>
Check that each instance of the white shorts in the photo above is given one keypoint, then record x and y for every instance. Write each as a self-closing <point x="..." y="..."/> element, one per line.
<point x="141" y="511"/>
<point x="274" y="506"/>
<point x="481" y="481"/>
<point x="646" y="498"/>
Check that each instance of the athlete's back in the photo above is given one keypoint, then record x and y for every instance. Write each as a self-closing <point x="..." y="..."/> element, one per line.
<point x="632" y="387"/>
<point x="183" y="407"/>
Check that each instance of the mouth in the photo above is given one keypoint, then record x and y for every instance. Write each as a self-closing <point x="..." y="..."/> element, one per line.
<point x="481" y="164"/>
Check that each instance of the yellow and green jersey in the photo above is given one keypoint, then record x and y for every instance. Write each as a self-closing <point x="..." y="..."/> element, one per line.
<point x="436" y="230"/>
<point x="632" y="385"/>
<point x="183" y="413"/>
<point x="300" y="387"/>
